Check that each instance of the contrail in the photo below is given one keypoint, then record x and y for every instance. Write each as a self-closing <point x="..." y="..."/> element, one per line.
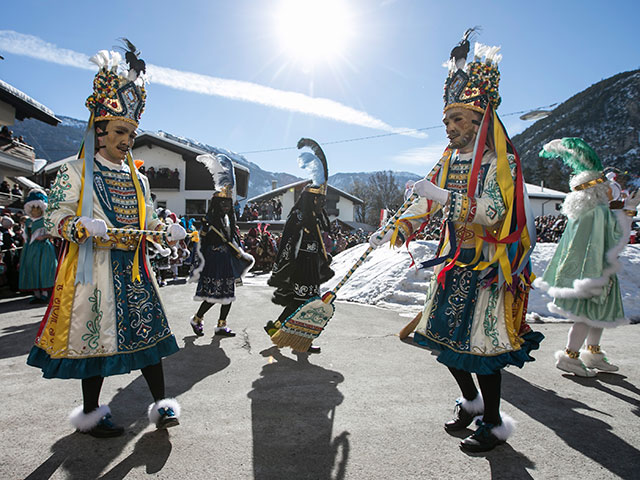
<point x="32" y="46"/>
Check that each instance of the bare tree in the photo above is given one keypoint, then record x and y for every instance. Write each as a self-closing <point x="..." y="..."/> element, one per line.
<point x="380" y="191"/>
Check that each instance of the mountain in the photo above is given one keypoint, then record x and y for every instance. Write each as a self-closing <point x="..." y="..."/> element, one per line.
<point x="606" y="115"/>
<point x="52" y="143"/>
<point x="55" y="143"/>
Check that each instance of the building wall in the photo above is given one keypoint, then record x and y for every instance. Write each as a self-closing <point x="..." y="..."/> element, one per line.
<point x="347" y="210"/>
<point x="158" y="157"/>
<point x="545" y="206"/>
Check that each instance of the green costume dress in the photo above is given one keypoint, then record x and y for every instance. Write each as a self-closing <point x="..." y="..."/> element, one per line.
<point x="581" y="276"/>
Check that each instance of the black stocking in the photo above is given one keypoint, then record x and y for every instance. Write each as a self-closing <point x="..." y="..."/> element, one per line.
<point x="154" y="376"/>
<point x="465" y="382"/>
<point x="90" y="393"/>
<point x="224" y="311"/>
<point x="204" y="308"/>
<point x="490" y="387"/>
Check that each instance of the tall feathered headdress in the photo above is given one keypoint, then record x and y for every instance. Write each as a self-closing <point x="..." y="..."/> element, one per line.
<point x="315" y="164"/>
<point x="118" y="95"/>
<point x="221" y="168"/>
<point x="472" y="85"/>
<point x="583" y="160"/>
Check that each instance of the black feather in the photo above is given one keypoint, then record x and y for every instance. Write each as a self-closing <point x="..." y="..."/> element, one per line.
<point x="462" y="49"/>
<point x="131" y="56"/>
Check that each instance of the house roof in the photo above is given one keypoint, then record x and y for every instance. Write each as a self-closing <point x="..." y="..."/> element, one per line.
<point x="150" y="138"/>
<point x="279" y="191"/>
<point x="536" y="191"/>
<point x="26" y="107"/>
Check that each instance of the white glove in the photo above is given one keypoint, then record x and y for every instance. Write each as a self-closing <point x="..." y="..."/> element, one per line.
<point x="94" y="226"/>
<point x="632" y="201"/>
<point x="428" y="190"/>
<point x="175" y="232"/>
<point x="378" y="239"/>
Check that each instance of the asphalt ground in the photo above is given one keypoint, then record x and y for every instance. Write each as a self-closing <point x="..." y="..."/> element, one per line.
<point x="368" y="407"/>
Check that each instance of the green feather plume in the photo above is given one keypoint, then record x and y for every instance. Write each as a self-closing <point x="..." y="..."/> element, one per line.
<point x="574" y="152"/>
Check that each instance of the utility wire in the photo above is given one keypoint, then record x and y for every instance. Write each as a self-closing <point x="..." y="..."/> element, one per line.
<point x="357" y="139"/>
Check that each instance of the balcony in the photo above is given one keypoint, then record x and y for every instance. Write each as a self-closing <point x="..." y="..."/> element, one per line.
<point x="163" y="178"/>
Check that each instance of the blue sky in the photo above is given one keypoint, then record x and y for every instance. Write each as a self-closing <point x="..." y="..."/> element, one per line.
<point x="377" y="69"/>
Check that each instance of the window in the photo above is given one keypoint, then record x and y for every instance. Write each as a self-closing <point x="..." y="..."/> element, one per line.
<point x="195" y="207"/>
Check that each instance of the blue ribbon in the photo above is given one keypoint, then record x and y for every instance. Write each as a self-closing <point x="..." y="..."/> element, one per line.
<point x="84" y="273"/>
<point x="454" y="246"/>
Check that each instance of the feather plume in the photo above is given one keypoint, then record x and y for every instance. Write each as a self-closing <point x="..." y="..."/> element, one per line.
<point x="316" y="163"/>
<point x="574" y="152"/>
<point x="221" y="168"/>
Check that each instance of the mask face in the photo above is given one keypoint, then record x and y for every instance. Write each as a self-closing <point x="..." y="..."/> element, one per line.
<point x="461" y="130"/>
<point x="117" y="141"/>
<point x="36" y="212"/>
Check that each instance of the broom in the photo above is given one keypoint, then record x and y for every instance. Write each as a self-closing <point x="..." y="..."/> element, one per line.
<point x="303" y="326"/>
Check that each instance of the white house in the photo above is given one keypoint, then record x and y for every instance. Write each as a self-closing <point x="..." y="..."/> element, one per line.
<point x="339" y="204"/>
<point x="179" y="182"/>
<point x="545" y="201"/>
<point x="17" y="159"/>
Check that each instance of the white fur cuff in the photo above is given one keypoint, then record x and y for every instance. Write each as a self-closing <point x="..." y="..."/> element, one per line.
<point x="86" y="421"/>
<point x="475" y="406"/>
<point x="171" y="403"/>
<point x="506" y="429"/>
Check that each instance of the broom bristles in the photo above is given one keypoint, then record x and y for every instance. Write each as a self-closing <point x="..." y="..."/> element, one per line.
<point x="296" y="342"/>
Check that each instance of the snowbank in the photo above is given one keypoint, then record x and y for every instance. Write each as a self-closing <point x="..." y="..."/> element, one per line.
<point x="387" y="280"/>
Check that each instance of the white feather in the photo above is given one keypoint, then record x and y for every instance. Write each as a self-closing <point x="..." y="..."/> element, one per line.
<point x="101" y="59"/>
<point x="313" y="165"/>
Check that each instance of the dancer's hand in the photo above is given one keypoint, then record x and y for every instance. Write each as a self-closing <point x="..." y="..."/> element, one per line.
<point x="632" y="201"/>
<point x="377" y="238"/>
<point x="175" y="233"/>
<point x="90" y="227"/>
<point x="428" y="190"/>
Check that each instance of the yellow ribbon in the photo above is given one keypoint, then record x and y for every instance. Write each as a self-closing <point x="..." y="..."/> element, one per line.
<point x="142" y="215"/>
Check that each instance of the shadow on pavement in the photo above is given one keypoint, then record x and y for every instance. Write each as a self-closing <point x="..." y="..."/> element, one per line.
<point x="506" y="463"/>
<point x="612" y="379"/>
<point x="293" y="406"/>
<point x="589" y="436"/>
<point x="17" y="340"/>
<point x="20" y="304"/>
<point x="82" y="456"/>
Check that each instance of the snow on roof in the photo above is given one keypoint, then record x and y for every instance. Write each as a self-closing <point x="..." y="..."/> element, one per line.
<point x="26" y="106"/>
<point x="280" y="190"/>
<point x="536" y="191"/>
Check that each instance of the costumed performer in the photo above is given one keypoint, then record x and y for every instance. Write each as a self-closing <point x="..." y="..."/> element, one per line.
<point x="38" y="262"/>
<point x="222" y="262"/>
<point x="105" y="316"/>
<point x="582" y="275"/>
<point x="474" y="313"/>
<point x="302" y="263"/>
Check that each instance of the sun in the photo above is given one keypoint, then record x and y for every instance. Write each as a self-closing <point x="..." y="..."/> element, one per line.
<point x="311" y="31"/>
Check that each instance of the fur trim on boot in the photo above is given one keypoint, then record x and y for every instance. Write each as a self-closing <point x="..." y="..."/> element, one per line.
<point x="599" y="361"/>
<point x="573" y="365"/>
<point x="153" y="413"/>
<point x="86" y="421"/>
<point x="505" y="429"/>
<point x="474" y="407"/>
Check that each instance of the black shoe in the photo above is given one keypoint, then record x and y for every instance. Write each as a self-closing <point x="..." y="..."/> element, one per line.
<point x="461" y="418"/>
<point x="225" y="332"/>
<point x="105" y="428"/>
<point x="482" y="440"/>
<point x="313" y="349"/>
<point x="197" y="327"/>
<point x="167" y="419"/>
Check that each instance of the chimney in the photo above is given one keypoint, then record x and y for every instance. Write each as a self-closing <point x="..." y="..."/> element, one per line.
<point x="542" y="185"/>
<point x="274" y="184"/>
